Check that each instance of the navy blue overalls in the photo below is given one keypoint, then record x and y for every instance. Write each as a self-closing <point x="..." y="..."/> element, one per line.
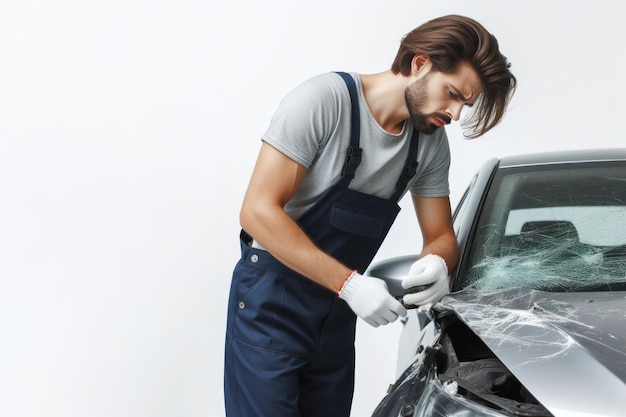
<point x="290" y="341"/>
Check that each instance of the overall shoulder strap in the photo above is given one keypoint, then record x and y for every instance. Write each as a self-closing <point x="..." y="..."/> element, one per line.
<point x="353" y="156"/>
<point x="410" y="167"/>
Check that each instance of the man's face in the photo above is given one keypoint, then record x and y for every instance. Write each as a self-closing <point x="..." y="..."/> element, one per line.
<point x="435" y="99"/>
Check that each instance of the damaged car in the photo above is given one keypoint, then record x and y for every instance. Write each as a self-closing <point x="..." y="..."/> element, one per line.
<point x="535" y="323"/>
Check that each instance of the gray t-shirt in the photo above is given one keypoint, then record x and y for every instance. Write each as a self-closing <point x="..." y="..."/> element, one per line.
<point x="312" y="127"/>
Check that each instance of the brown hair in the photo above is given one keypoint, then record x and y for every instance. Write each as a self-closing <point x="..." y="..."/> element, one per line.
<point x="448" y="40"/>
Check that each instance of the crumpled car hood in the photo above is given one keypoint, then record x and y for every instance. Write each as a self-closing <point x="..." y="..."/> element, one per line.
<point x="567" y="349"/>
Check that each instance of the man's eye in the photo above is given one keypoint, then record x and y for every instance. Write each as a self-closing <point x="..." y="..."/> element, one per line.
<point x="451" y="93"/>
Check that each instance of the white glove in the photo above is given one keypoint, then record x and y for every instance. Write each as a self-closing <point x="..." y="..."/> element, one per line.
<point x="369" y="298"/>
<point x="430" y="271"/>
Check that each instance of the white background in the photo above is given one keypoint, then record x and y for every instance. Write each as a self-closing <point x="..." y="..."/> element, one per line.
<point x="128" y="132"/>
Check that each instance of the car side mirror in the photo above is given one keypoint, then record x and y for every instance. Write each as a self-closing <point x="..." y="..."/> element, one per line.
<point x="393" y="271"/>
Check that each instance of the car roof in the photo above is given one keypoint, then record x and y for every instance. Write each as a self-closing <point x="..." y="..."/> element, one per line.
<point x="562" y="157"/>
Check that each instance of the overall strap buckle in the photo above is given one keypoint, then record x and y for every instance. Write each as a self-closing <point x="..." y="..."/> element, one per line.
<point x="408" y="172"/>
<point x="353" y="159"/>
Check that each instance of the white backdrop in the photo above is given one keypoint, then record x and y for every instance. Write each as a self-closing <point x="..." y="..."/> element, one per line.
<point x="128" y="131"/>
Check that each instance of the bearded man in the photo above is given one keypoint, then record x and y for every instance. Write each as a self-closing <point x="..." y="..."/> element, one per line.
<point x="339" y="153"/>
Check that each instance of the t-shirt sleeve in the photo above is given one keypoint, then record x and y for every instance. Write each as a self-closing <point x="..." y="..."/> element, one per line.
<point x="306" y="118"/>
<point x="433" y="178"/>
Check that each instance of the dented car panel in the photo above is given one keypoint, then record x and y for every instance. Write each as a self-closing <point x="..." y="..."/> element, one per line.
<point x="535" y="324"/>
<point x="556" y="344"/>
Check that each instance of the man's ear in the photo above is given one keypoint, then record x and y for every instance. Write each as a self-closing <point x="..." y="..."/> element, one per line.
<point x="420" y="65"/>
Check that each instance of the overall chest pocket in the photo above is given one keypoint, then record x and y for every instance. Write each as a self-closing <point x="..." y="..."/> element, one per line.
<point x="357" y="221"/>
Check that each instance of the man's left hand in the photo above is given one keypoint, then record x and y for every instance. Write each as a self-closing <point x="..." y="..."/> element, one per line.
<point x="430" y="272"/>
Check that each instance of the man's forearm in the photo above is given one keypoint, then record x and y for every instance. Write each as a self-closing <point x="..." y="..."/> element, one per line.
<point x="287" y="242"/>
<point x="446" y="247"/>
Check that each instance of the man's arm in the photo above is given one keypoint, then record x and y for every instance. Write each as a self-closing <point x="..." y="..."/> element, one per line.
<point x="274" y="181"/>
<point x="427" y="281"/>
<point x="435" y="219"/>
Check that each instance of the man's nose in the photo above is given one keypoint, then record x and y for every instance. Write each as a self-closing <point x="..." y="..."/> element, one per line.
<point x="454" y="110"/>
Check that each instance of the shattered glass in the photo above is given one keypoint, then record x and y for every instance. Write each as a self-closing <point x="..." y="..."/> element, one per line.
<point x="534" y="326"/>
<point x="552" y="228"/>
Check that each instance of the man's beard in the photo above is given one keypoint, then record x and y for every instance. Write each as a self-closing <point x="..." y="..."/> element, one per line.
<point x="416" y="99"/>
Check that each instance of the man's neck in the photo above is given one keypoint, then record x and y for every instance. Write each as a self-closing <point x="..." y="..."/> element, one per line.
<point x="384" y="94"/>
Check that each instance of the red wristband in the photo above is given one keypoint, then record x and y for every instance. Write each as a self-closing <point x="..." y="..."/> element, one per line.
<point x="444" y="263"/>
<point x="346" y="281"/>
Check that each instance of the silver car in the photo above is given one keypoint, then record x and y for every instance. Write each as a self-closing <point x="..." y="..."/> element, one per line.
<point x="535" y="324"/>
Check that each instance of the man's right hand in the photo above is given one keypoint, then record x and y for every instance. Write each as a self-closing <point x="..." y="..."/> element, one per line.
<point x="369" y="298"/>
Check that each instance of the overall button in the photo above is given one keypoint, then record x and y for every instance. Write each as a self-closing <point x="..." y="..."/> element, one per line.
<point x="242" y="305"/>
<point x="254" y="258"/>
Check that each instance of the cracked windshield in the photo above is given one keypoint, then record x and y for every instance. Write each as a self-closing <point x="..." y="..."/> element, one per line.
<point x="552" y="228"/>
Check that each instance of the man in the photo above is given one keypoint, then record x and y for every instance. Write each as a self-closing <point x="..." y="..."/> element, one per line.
<point x="340" y="152"/>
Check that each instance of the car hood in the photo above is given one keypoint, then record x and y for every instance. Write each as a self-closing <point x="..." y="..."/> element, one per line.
<point x="567" y="349"/>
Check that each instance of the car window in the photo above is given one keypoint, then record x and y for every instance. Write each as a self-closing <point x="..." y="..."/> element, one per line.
<point x="555" y="227"/>
<point x="599" y="225"/>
